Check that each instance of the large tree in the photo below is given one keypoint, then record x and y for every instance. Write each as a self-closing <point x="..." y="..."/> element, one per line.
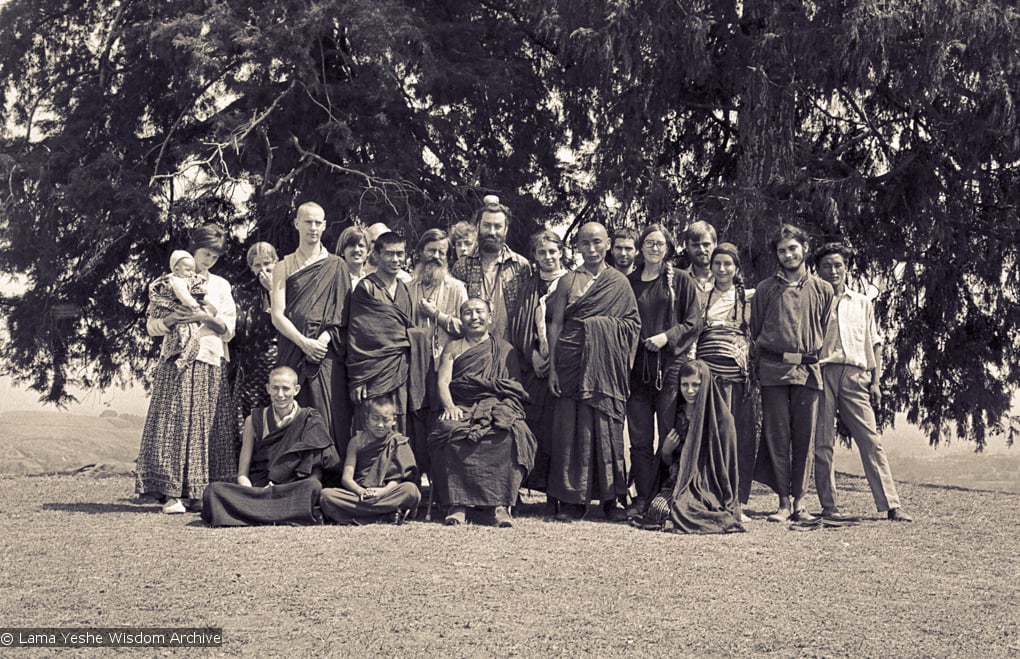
<point x="889" y="124"/>
<point x="127" y="123"/>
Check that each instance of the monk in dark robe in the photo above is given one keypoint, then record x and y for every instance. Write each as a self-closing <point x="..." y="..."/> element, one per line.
<point x="528" y="336"/>
<point x="481" y="447"/>
<point x="382" y="339"/>
<point x="698" y="484"/>
<point x="309" y="291"/>
<point x="593" y="335"/>
<point x="284" y="450"/>
<point x="379" y="473"/>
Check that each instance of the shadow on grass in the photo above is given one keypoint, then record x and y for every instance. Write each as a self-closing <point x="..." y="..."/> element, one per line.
<point x="101" y="508"/>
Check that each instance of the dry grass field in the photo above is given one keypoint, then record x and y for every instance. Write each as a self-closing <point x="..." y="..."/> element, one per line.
<point x="78" y="551"/>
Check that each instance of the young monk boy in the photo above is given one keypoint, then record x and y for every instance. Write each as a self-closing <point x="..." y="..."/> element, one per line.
<point x="379" y="473"/>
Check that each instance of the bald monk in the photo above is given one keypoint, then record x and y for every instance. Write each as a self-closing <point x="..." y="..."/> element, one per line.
<point x="310" y="288"/>
<point x="284" y="450"/>
<point x="593" y="335"/>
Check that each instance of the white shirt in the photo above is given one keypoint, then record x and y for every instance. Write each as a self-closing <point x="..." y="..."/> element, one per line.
<point x="858" y="332"/>
<point x="212" y="346"/>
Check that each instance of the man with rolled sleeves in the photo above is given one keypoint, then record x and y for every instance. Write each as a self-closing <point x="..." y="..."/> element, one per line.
<point x="851" y="370"/>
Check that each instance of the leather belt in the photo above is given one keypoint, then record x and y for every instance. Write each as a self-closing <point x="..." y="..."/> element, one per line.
<point x="792" y="358"/>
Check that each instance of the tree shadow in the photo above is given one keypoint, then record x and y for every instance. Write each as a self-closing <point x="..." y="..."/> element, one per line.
<point x="94" y="508"/>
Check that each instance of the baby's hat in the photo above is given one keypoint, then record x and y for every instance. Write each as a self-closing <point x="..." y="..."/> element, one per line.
<point x="176" y="256"/>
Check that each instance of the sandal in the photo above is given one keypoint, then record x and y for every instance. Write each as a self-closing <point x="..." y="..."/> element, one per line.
<point x="802" y="516"/>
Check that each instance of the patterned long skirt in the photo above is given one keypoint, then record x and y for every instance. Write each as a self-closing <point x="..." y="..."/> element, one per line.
<point x="190" y="434"/>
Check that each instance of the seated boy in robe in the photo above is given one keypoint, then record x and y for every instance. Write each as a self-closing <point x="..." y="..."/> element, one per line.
<point x="378" y="482"/>
<point x="284" y="450"/>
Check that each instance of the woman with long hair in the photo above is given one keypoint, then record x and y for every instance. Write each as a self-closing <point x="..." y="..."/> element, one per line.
<point x="668" y="303"/>
<point x="190" y="434"/>
<point x="696" y="491"/>
<point x="528" y="335"/>
<point x="724" y="344"/>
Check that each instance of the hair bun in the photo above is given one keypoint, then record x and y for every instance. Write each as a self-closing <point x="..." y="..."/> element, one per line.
<point x="490" y="200"/>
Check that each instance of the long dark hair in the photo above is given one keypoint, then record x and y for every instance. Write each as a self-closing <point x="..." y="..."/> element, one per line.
<point x="730" y="250"/>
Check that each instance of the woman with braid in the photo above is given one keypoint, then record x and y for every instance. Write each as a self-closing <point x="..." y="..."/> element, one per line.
<point x="528" y="336"/>
<point x="670" y="319"/>
<point x="724" y="345"/>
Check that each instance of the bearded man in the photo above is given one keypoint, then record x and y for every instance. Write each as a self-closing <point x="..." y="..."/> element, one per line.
<point x="436" y="298"/>
<point x="494" y="272"/>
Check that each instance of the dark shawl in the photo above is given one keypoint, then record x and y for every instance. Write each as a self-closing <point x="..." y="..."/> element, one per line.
<point x="473" y="460"/>
<point x="380" y="462"/>
<point x="705" y="497"/>
<point x="292" y="452"/>
<point x="597" y="344"/>
<point x="316" y="296"/>
<point x="379" y="343"/>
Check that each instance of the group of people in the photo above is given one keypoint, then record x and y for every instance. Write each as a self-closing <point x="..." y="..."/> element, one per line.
<point x="358" y="379"/>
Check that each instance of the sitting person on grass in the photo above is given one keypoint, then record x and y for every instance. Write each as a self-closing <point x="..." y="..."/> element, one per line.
<point x="481" y="447"/>
<point x="284" y="450"/>
<point x="379" y="473"/>
<point x="697" y="489"/>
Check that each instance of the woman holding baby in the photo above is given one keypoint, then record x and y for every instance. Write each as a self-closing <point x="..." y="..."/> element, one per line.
<point x="190" y="433"/>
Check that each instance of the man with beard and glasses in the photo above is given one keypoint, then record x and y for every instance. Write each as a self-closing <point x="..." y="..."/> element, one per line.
<point x="789" y="313"/>
<point x="436" y="297"/>
<point x="494" y="272"/>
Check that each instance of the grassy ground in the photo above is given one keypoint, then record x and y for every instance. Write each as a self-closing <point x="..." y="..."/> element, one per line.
<point x="77" y="551"/>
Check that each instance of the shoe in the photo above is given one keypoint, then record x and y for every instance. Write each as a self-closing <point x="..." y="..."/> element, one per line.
<point x="401" y="515"/>
<point x="636" y="507"/>
<point x="781" y="515"/>
<point x="897" y="515"/>
<point x="613" y="511"/>
<point x="503" y="519"/>
<point x="174" y="507"/>
<point x="552" y="506"/>
<point x="570" y="512"/>
<point x="802" y="516"/>
<point x="836" y="516"/>
<point x="456" y="516"/>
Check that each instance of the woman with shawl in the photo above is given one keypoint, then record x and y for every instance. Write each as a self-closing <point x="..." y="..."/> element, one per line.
<point x="697" y="492"/>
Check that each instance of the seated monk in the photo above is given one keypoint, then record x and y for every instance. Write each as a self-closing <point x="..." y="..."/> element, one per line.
<point x="481" y="447"/>
<point x="284" y="450"/>
<point x="379" y="473"/>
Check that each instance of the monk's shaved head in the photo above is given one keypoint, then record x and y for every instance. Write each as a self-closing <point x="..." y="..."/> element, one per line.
<point x="592" y="245"/>
<point x="310" y="209"/>
<point x="592" y="230"/>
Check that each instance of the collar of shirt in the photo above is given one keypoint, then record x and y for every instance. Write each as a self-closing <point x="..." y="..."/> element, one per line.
<point x="505" y="254"/>
<point x="287" y="418"/>
<point x="799" y="283"/>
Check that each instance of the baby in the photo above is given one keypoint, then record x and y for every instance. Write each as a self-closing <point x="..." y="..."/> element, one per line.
<point x="181" y="289"/>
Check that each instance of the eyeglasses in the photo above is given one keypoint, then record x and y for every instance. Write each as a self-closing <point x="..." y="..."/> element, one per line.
<point x="654" y="244"/>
